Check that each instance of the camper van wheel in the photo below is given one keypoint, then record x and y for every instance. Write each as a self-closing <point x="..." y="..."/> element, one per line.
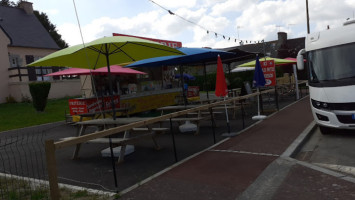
<point x="325" y="130"/>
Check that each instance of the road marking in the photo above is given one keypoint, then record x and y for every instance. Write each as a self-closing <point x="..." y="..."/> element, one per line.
<point x="340" y="168"/>
<point x="245" y="152"/>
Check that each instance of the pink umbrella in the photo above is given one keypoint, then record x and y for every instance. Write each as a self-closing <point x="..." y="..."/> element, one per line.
<point x="70" y="71"/>
<point x="115" y="69"/>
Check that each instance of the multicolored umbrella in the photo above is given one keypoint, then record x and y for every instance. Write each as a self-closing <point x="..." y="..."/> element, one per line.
<point x="278" y="61"/>
<point x="114" y="69"/>
<point x="71" y="71"/>
<point x="103" y="51"/>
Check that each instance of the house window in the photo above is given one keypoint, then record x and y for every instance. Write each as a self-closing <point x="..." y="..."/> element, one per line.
<point x="40" y="72"/>
<point x="14" y="61"/>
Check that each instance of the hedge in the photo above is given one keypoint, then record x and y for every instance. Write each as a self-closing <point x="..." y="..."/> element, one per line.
<point x="39" y="92"/>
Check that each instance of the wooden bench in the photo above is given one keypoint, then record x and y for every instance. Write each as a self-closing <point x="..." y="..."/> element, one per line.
<point x="103" y="113"/>
<point x="127" y="139"/>
<point x="156" y="130"/>
<point x="123" y="142"/>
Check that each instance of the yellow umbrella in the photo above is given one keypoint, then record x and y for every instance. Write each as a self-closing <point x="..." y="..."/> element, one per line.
<point x="278" y="61"/>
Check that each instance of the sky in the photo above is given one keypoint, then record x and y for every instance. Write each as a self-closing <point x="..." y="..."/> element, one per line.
<point x="239" y="20"/>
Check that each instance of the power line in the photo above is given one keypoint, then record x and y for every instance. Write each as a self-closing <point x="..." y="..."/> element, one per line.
<point x="241" y="42"/>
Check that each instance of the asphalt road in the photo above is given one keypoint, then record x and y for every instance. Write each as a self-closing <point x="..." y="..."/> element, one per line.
<point x="333" y="151"/>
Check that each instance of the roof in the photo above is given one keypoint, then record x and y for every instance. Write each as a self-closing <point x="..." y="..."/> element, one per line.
<point x="290" y="49"/>
<point x="24" y="30"/>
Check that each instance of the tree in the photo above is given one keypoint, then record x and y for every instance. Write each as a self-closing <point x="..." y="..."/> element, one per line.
<point x="43" y="18"/>
<point x="7" y="3"/>
<point x="51" y="28"/>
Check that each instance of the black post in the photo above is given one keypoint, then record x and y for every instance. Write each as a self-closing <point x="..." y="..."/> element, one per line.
<point x="182" y="85"/>
<point x="113" y="115"/>
<point x="276" y="98"/>
<point x="261" y="104"/>
<point x="110" y="83"/>
<point x="213" y="126"/>
<point x="308" y="29"/>
<point x="173" y="138"/>
<point x="243" y="114"/>
<point x="113" y="163"/>
<point x="204" y="83"/>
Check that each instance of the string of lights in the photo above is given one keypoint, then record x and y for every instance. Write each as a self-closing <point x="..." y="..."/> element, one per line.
<point x="241" y="42"/>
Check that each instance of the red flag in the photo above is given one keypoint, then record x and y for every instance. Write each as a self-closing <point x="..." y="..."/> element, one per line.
<point x="221" y="85"/>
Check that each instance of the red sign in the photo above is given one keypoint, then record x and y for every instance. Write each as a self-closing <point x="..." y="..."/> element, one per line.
<point x="173" y="44"/>
<point x="193" y="91"/>
<point x="81" y="106"/>
<point x="269" y="72"/>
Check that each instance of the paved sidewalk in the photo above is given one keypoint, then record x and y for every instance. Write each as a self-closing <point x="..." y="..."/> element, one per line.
<point x="250" y="166"/>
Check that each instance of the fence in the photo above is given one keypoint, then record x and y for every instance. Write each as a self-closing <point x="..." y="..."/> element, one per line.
<point x="24" y="155"/>
<point x="23" y="166"/>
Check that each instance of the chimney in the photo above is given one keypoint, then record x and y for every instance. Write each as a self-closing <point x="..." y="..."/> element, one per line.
<point x="26" y="6"/>
<point x="282" y="38"/>
<point x="281" y="45"/>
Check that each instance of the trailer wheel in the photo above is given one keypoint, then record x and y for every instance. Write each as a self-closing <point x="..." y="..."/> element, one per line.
<point x="325" y="130"/>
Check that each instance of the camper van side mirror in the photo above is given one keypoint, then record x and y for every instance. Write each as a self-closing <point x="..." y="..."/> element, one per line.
<point x="300" y="61"/>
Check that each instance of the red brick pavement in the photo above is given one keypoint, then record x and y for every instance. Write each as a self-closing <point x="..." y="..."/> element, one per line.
<point x="224" y="172"/>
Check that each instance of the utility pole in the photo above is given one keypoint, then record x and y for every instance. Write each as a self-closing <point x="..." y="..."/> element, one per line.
<point x="308" y="31"/>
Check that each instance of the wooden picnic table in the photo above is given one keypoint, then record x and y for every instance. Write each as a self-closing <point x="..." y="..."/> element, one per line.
<point x="103" y="113"/>
<point x="125" y="140"/>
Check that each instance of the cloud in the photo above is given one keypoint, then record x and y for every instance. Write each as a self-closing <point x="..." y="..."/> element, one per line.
<point x="263" y="20"/>
<point x="231" y="6"/>
<point x="257" y="20"/>
<point x="176" y="4"/>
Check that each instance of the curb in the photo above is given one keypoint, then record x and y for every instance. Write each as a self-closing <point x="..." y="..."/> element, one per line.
<point x="298" y="143"/>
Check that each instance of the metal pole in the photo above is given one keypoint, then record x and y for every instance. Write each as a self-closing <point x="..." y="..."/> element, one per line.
<point x="110" y="82"/>
<point x="213" y="126"/>
<point x="243" y="114"/>
<point x="276" y="98"/>
<point x="113" y="116"/>
<point x="308" y="30"/>
<point x="257" y="90"/>
<point x="205" y="77"/>
<point x="225" y="107"/>
<point x="296" y="81"/>
<point x="182" y="85"/>
<point x="173" y="138"/>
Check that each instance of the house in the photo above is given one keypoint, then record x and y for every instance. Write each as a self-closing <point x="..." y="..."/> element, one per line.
<point x="23" y="39"/>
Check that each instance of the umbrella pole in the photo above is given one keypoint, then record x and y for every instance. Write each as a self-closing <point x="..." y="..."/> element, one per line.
<point x="110" y="84"/>
<point x="204" y="83"/>
<point x="228" y="126"/>
<point x="113" y="116"/>
<point x="257" y="89"/>
<point x="182" y="85"/>
<point x="229" y="134"/>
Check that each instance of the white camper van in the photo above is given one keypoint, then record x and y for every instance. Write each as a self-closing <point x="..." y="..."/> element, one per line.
<point x="330" y="56"/>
